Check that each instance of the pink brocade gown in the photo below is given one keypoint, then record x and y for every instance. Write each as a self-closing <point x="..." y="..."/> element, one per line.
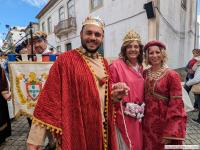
<point x="164" y="111"/>
<point x="130" y="128"/>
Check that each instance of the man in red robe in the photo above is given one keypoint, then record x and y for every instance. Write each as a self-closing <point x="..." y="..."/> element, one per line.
<point x="75" y="103"/>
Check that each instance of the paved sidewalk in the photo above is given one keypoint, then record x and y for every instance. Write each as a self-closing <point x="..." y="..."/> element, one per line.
<point x="193" y="130"/>
<point x="17" y="141"/>
<point x="20" y="130"/>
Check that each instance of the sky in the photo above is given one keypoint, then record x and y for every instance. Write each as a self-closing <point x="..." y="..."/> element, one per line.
<point x="18" y="13"/>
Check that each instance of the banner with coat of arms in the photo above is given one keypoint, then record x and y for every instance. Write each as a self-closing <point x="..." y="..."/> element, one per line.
<point x="27" y="80"/>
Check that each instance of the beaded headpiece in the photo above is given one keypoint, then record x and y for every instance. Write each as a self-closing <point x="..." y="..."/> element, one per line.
<point x="154" y="43"/>
<point x="132" y="36"/>
<point x="94" y="21"/>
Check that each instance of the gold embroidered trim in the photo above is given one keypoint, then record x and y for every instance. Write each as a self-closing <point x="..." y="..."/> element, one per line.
<point x="156" y="74"/>
<point x="47" y="126"/>
<point x="161" y="96"/>
<point x="23" y="100"/>
<point x="23" y="113"/>
<point x="105" y="123"/>
<point x="174" y="138"/>
<point x="164" y="72"/>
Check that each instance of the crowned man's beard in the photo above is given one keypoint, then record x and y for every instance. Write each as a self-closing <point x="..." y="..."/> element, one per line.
<point x="89" y="50"/>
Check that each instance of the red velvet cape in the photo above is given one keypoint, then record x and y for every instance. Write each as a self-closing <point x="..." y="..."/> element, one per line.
<point x="70" y="101"/>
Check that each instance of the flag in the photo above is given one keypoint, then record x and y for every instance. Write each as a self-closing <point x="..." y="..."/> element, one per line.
<point x="27" y="80"/>
<point x="7" y="26"/>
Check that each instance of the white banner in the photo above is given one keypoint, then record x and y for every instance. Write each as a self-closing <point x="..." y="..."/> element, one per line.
<point x="27" y="80"/>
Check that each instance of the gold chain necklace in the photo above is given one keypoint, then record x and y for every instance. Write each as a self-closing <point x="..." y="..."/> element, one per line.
<point x="105" y="124"/>
<point x="155" y="74"/>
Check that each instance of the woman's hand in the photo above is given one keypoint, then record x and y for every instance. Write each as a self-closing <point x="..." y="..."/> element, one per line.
<point x="119" y="90"/>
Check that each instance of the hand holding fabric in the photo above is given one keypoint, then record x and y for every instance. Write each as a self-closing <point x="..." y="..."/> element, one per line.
<point x="119" y="90"/>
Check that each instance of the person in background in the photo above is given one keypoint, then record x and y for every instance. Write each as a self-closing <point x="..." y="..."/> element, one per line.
<point x="190" y="72"/>
<point x="164" y="117"/>
<point x="40" y="45"/>
<point x="5" y="125"/>
<point x="128" y="69"/>
<point x="195" y="80"/>
<point x="24" y="48"/>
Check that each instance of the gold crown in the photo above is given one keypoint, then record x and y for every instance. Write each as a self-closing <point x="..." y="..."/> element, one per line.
<point x="132" y="36"/>
<point x="94" y="21"/>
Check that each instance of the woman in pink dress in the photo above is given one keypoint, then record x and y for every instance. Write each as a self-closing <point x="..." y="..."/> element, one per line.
<point x="129" y="112"/>
<point x="165" y="118"/>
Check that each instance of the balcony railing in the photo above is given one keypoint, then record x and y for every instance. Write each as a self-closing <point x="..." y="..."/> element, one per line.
<point x="65" y="26"/>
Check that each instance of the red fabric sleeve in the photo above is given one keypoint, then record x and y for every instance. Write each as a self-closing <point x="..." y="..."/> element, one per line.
<point x="48" y="108"/>
<point x="191" y="63"/>
<point x="176" y="116"/>
<point x="114" y="74"/>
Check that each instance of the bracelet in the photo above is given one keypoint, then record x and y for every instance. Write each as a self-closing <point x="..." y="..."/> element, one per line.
<point x="116" y="99"/>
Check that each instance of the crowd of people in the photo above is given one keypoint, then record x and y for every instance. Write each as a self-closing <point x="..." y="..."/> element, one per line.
<point x="134" y="103"/>
<point x="193" y="78"/>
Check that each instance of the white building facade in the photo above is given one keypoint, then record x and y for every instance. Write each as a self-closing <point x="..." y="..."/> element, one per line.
<point x="174" y="24"/>
<point x="13" y="37"/>
<point x="34" y="26"/>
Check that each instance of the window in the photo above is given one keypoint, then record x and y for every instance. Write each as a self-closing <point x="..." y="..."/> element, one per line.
<point x="71" y="8"/>
<point x="49" y="25"/>
<point x="184" y="4"/>
<point x="61" y="14"/>
<point x="43" y="26"/>
<point x="68" y="46"/>
<point x="96" y="4"/>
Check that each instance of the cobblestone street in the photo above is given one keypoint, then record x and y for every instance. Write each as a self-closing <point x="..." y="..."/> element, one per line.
<point x="20" y="130"/>
<point x="193" y="130"/>
<point x="17" y="141"/>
